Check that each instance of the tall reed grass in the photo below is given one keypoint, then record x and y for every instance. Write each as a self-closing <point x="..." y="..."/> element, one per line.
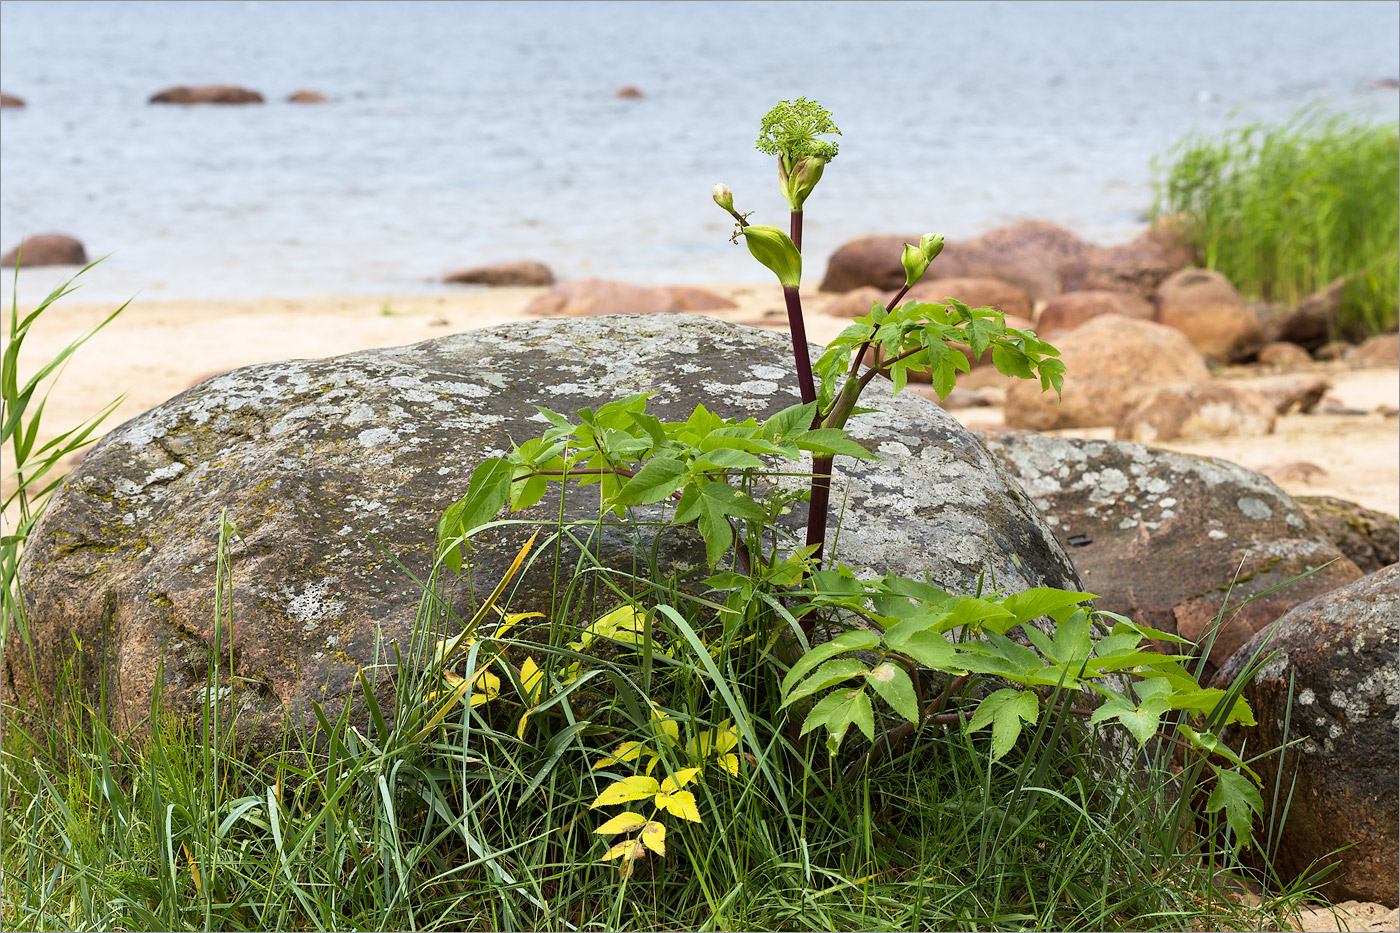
<point x="1284" y="210"/>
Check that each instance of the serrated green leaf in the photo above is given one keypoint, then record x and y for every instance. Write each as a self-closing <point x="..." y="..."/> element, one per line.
<point x="1207" y="742"/>
<point x="833" y="441"/>
<point x="1011" y="362"/>
<point x="846" y="641"/>
<point x="1006" y="723"/>
<point x="655" y="481"/>
<point x="838" y="710"/>
<point x="828" y="675"/>
<point x="1240" y="800"/>
<point x="729" y="458"/>
<point x="986" y="710"/>
<point x="1041" y="601"/>
<point x="893" y="685"/>
<point x="976" y="612"/>
<point x="1142" y="721"/>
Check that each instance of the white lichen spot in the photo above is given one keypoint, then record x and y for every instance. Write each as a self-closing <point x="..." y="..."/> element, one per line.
<point x="1153" y="484"/>
<point x="1294" y="520"/>
<point x="1254" y="508"/>
<point x="1338" y="698"/>
<point x="1167" y="502"/>
<point x="1306" y="697"/>
<point x="373" y="437"/>
<point x="362" y="414"/>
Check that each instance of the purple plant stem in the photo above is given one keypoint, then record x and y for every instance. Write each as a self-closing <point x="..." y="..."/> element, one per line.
<point x="805" y="384"/>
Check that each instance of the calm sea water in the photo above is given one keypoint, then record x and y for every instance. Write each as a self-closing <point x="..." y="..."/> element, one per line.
<point x="465" y="133"/>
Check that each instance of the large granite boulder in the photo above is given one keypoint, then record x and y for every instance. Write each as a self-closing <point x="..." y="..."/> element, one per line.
<point x="1169" y="538"/>
<point x="1032" y="254"/>
<point x="1337" y="656"/>
<point x="1203" y="305"/>
<point x="1110" y="362"/>
<point x="335" y="472"/>
<point x="1380" y="350"/>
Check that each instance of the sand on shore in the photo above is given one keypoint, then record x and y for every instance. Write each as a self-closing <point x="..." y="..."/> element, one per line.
<point x="157" y="349"/>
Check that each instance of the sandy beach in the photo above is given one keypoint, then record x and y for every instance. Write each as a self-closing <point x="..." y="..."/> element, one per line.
<point x="156" y="349"/>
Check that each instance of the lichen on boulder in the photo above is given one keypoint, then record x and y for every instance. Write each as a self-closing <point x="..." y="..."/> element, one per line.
<point x="335" y="472"/>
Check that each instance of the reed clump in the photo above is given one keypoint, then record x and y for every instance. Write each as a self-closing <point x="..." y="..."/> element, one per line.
<point x="1284" y="210"/>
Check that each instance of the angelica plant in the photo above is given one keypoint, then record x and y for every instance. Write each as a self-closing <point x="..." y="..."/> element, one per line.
<point x="713" y="469"/>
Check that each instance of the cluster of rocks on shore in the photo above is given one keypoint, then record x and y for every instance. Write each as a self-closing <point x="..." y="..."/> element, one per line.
<point x="1139" y="329"/>
<point x="234" y="94"/>
<point x="336" y="470"/>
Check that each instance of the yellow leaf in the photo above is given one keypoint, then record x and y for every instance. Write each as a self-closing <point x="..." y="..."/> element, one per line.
<point x="681" y="804"/>
<point x="194" y="871"/>
<point x="629" y="788"/>
<point x="729" y="763"/>
<point x="624" y="822"/>
<point x="488" y="689"/>
<point x="622" y="624"/>
<point x="680" y="779"/>
<point x="530" y="678"/>
<point x="524" y="721"/>
<point x="510" y="619"/>
<point x="624" y="849"/>
<point x="667" y="729"/>
<point x="630" y="850"/>
<point x="627" y="751"/>
<point x="654" y="837"/>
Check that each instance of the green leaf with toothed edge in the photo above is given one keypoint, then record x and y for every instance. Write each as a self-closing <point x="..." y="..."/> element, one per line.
<point x="846" y="641"/>
<point x="1240" y="800"/>
<point x="895" y="687"/>
<point x="829" y="674"/>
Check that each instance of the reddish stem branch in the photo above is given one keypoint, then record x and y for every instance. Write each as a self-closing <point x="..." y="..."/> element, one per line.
<point x="860" y="352"/>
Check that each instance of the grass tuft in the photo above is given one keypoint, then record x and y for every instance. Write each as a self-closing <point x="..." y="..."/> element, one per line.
<point x="1284" y="210"/>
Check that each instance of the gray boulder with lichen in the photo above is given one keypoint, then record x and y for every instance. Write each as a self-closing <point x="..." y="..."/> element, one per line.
<point x="335" y="472"/>
<point x="1331" y="688"/>
<point x="1168" y="538"/>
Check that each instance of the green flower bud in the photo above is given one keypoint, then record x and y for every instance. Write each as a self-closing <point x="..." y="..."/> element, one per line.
<point x="914" y="263"/>
<point x="803" y="177"/>
<point x="775" y="249"/>
<point x="931" y="244"/>
<point x="724" y="197"/>
<point x="916" y="258"/>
